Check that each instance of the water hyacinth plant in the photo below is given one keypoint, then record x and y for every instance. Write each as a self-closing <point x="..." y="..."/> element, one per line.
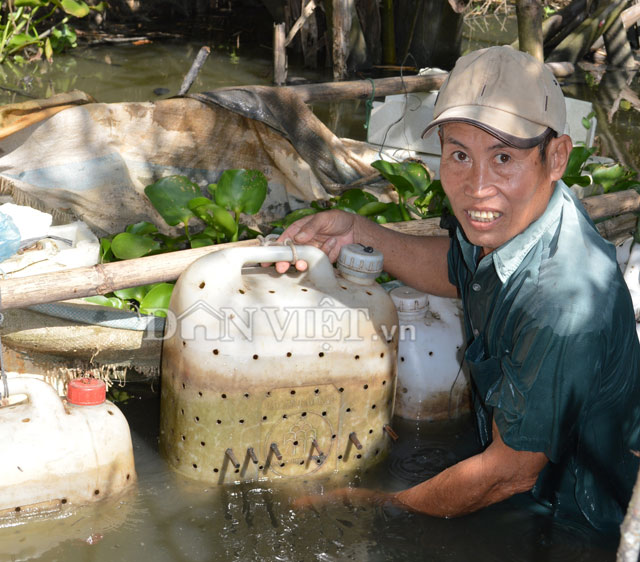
<point x="179" y="201"/>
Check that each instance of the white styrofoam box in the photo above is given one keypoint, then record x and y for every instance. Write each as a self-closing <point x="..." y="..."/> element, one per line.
<point x="400" y="120"/>
<point x="30" y="222"/>
<point x="576" y="111"/>
<point x="82" y="249"/>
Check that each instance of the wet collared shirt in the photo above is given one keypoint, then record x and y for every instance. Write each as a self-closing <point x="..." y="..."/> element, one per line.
<point x="554" y="357"/>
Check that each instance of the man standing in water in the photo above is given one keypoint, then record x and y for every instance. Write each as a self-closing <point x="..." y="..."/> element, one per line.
<point x="552" y="346"/>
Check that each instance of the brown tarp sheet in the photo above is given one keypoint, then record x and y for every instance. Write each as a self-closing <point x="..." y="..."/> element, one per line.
<point x="79" y="159"/>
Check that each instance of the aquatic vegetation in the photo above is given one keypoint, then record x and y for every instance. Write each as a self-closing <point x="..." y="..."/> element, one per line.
<point x="178" y="200"/>
<point x="418" y="197"/>
<point x="22" y="22"/>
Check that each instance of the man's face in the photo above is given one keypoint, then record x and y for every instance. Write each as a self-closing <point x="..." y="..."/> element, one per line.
<point x="496" y="191"/>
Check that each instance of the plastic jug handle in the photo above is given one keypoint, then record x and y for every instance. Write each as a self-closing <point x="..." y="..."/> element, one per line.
<point x="320" y="270"/>
<point x="42" y="396"/>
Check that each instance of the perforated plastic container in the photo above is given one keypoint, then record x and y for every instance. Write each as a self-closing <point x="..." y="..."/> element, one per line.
<point x="431" y="382"/>
<point x="57" y="454"/>
<point x="277" y="376"/>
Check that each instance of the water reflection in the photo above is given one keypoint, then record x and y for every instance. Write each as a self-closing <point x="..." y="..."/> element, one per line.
<point x="173" y="519"/>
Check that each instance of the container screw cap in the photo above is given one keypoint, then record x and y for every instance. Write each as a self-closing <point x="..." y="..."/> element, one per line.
<point x="360" y="263"/>
<point x="408" y="299"/>
<point x="86" y="391"/>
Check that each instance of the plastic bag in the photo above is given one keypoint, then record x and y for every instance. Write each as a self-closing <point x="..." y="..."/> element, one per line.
<point x="9" y="237"/>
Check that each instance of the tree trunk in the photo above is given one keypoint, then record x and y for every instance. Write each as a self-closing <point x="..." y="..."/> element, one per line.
<point x="576" y="45"/>
<point x="388" y="33"/>
<point x="529" y="14"/>
<point x="341" y="25"/>
<point x="618" y="49"/>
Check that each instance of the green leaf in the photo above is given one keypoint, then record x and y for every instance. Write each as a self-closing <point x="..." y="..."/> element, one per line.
<point x="142" y="227"/>
<point x="201" y="240"/>
<point x="577" y="158"/>
<point x="355" y="199"/>
<point x="214" y="215"/>
<point x="106" y="255"/>
<point x="373" y="208"/>
<point x="170" y="197"/>
<point x="391" y="214"/>
<point x="113" y="302"/>
<point x="31" y="3"/>
<point x="624" y="185"/>
<point x="582" y="181"/>
<point x="607" y="176"/>
<point x="157" y="299"/>
<point x="126" y="246"/>
<point x="133" y="293"/>
<point x="409" y="178"/>
<point x="241" y="191"/>
<point x="294" y="216"/>
<point x="73" y="8"/>
<point x="48" y="49"/>
<point x="172" y="243"/>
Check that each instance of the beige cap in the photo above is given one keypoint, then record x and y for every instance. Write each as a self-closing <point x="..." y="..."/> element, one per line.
<point x="506" y="92"/>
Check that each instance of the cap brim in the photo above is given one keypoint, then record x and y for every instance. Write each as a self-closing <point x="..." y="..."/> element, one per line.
<point x="509" y="128"/>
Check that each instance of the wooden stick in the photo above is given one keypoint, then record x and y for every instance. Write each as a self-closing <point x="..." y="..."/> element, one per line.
<point x="308" y="10"/>
<point x="612" y="204"/>
<point x="361" y="89"/>
<point x="630" y="16"/>
<point x="105" y="278"/>
<point x="200" y="59"/>
<point x="279" y="55"/>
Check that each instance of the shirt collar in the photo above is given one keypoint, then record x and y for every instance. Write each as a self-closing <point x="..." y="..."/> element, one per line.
<point x="508" y="257"/>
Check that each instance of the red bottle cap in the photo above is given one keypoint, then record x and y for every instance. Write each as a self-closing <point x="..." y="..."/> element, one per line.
<point x="86" y="391"/>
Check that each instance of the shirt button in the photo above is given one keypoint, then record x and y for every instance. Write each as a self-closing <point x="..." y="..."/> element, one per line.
<point x="476" y="332"/>
<point x="476" y="287"/>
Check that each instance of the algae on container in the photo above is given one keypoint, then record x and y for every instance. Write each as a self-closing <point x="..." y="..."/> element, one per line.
<point x="274" y="376"/>
<point x="57" y="454"/>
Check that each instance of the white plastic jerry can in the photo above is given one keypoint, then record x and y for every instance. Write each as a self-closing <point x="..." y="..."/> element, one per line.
<point x="58" y="454"/>
<point x="431" y="382"/>
<point x="277" y="376"/>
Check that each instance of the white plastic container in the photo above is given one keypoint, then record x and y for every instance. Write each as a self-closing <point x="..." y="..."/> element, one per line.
<point x="276" y="376"/>
<point x="57" y="454"/>
<point x="632" y="279"/>
<point x="432" y="384"/>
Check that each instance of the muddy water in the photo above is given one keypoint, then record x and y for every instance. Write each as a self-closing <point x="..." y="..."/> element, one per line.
<point x="169" y="518"/>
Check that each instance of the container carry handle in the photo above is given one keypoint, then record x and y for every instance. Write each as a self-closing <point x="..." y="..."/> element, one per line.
<point x="320" y="271"/>
<point x="42" y="396"/>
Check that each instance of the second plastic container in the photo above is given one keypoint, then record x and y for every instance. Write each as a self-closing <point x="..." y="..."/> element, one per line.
<point x="432" y="384"/>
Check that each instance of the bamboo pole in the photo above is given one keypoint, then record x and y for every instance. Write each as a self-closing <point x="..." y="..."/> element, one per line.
<point x="105" y="278"/>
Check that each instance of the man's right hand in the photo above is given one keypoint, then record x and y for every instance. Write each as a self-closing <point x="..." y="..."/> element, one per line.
<point x="327" y="230"/>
